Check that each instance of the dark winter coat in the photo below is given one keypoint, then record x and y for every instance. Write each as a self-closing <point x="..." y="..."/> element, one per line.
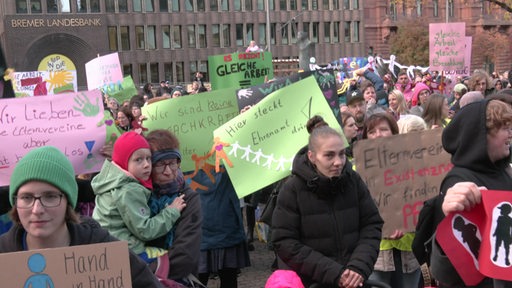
<point x="323" y="226"/>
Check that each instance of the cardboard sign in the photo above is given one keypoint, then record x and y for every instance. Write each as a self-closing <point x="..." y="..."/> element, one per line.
<point x="325" y="79"/>
<point x="240" y="69"/>
<point x="477" y="241"/>
<point x="103" y="70"/>
<point x="447" y="46"/>
<point x="263" y="141"/>
<point x="91" y="266"/>
<point x="401" y="172"/>
<point x="71" y="122"/>
<point x="40" y="83"/>
<point x="192" y="119"/>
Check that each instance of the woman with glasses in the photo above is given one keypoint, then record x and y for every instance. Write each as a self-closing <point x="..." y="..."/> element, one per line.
<point x="43" y="193"/>
<point x="419" y="98"/>
<point x="183" y="241"/>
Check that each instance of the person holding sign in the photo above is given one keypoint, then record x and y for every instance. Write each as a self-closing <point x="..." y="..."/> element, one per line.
<point x="325" y="226"/>
<point x="122" y="190"/>
<point x="396" y="264"/>
<point x="43" y="192"/>
<point x="478" y="138"/>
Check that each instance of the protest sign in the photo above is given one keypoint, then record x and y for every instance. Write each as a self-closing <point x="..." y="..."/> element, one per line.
<point x="447" y="46"/>
<point x="192" y="119"/>
<point x="325" y="79"/>
<point x="122" y="91"/>
<point x="70" y="122"/>
<point x="40" y="83"/>
<point x="240" y="69"/>
<point x="96" y="265"/>
<point x="477" y="241"/>
<point x="263" y="141"/>
<point x="401" y="172"/>
<point x="103" y="70"/>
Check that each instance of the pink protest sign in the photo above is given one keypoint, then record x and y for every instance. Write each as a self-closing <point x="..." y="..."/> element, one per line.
<point x="66" y="121"/>
<point x="103" y="70"/>
<point x="447" y="46"/>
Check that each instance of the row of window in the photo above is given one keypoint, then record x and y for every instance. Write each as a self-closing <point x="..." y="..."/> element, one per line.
<point x="112" y="6"/>
<point x="196" y="35"/>
<point x="173" y="72"/>
<point x="419" y="8"/>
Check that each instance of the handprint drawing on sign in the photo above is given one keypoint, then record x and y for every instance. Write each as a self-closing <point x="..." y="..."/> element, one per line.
<point x="85" y="106"/>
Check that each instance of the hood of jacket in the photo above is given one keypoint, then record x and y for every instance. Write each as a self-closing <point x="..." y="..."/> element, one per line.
<point x="465" y="138"/>
<point x="110" y="178"/>
<point x="323" y="186"/>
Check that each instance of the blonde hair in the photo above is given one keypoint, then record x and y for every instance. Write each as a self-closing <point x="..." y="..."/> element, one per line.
<point x="402" y="105"/>
<point x="411" y="123"/>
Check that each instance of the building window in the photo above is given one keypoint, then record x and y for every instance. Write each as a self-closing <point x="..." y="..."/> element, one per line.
<point x="282" y="5"/>
<point x="293" y="5"/>
<point x="151" y="37"/>
<point x="314" y="4"/>
<point x="273" y="33"/>
<point x="335" y="4"/>
<point x="262" y="33"/>
<point x="125" y="38"/>
<point x="284" y="35"/>
<point x="260" y="5"/>
<point x="58" y="6"/>
<point x="249" y="33"/>
<point x="149" y="6"/>
<point x="214" y="5"/>
<point x="226" y="35"/>
<point x="347" y="32"/>
<point x="175" y="5"/>
<point x="180" y="72"/>
<point x="168" y="72"/>
<point x="153" y="72"/>
<point x="248" y="5"/>
<point x="143" y="73"/>
<point x="139" y="37"/>
<point x="355" y="29"/>
<point x="346" y="4"/>
<point x="295" y="28"/>
<point x="201" y="35"/>
<point x="392" y="11"/>
<point x="177" y="43"/>
<point x="355" y="4"/>
<point x="201" y="6"/>
<point x="95" y="6"/>
<point x="110" y="6"/>
<point x="189" y="5"/>
<point x="419" y="7"/>
<point x="325" y="4"/>
<point x="21" y="7"/>
<point x="450" y="8"/>
<point x="35" y="7"/>
<point x="224" y="5"/>
<point x="123" y="5"/>
<point x="336" y="32"/>
<point x="435" y="4"/>
<point x="216" y="35"/>
<point x="327" y="32"/>
<point x="127" y="70"/>
<point x="239" y="34"/>
<point x="191" y="36"/>
<point x="166" y="37"/>
<point x="164" y="6"/>
<point x="237" y="5"/>
<point x="112" y="38"/>
<point x="192" y="65"/>
<point x="305" y="28"/>
<point x="305" y="5"/>
<point x="315" y="30"/>
<point x="81" y="6"/>
<point x="137" y="5"/>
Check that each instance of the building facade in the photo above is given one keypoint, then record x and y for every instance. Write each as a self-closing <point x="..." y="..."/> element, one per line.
<point x="172" y="39"/>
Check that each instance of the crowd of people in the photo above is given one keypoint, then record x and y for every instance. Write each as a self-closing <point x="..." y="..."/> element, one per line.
<point x="177" y="236"/>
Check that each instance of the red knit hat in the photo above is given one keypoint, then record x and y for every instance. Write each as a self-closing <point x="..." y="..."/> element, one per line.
<point x="124" y="147"/>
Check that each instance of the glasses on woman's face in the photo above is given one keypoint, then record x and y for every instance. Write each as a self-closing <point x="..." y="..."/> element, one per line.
<point x="160" y="166"/>
<point x="48" y="200"/>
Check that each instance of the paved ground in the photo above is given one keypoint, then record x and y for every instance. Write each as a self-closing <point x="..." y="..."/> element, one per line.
<point x="256" y="275"/>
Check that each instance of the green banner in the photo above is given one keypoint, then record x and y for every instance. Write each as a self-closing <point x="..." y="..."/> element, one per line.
<point x="193" y="118"/>
<point x="258" y="146"/>
<point x="240" y="70"/>
<point x="121" y="90"/>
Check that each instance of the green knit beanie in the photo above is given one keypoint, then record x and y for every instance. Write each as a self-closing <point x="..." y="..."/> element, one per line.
<point x="45" y="164"/>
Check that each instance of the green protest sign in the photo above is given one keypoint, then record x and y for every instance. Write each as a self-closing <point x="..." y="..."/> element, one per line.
<point x="240" y="69"/>
<point x="257" y="147"/>
<point x="193" y="118"/>
<point x="121" y="90"/>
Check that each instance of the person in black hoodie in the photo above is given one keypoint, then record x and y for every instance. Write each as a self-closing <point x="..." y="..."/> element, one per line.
<point x="43" y="193"/>
<point x="478" y="138"/>
<point x="325" y="226"/>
